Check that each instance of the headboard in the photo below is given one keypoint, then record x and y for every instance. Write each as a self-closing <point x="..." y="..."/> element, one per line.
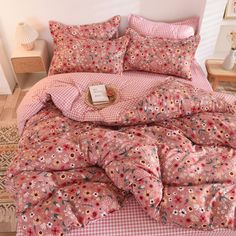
<point x="38" y="12"/>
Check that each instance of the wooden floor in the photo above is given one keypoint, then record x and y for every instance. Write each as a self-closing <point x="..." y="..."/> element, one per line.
<point x="7" y="234"/>
<point x="9" y="104"/>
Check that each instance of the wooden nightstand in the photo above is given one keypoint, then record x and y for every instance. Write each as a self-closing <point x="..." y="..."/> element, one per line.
<point x="216" y="73"/>
<point x="30" y="66"/>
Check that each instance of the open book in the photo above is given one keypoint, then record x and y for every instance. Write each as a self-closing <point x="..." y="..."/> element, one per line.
<point x="99" y="94"/>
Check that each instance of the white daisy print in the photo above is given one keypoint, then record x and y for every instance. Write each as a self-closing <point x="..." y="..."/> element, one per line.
<point x="182" y="212"/>
<point x="175" y="212"/>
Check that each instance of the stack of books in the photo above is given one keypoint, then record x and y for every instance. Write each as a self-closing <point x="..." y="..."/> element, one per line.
<point x="99" y="94"/>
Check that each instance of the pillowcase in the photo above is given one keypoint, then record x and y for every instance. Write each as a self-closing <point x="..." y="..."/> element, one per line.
<point x="104" y="30"/>
<point x="89" y="55"/>
<point x="162" y="56"/>
<point x="191" y="22"/>
<point x="176" y="30"/>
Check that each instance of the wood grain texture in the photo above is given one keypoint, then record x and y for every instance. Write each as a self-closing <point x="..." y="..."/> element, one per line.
<point x="215" y="68"/>
<point x="9" y="104"/>
<point x="7" y="234"/>
<point x="28" y="64"/>
<point x="217" y="74"/>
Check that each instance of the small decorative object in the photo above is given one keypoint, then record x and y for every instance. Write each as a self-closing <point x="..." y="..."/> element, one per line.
<point x="229" y="61"/>
<point x="111" y="93"/>
<point x="99" y="94"/>
<point x="230" y="11"/>
<point x="26" y="36"/>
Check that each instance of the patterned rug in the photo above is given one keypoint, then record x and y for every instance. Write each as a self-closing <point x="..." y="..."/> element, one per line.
<point x="227" y="87"/>
<point x="8" y="143"/>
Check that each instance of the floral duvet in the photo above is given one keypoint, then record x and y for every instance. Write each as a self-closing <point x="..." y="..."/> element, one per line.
<point x="173" y="149"/>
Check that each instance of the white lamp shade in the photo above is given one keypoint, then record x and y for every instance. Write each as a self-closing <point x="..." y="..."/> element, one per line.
<point x="25" y="34"/>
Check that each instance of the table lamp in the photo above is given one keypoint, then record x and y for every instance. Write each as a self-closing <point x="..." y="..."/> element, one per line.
<point x="26" y="36"/>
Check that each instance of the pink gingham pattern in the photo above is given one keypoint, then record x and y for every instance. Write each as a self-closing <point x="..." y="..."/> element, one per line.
<point x="176" y="30"/>
<point x="139" y="81"/>
<point x="131" y="220"/>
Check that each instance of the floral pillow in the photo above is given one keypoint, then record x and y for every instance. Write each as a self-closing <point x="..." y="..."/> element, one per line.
<point x="104" y="30"/>
<point x="162" y="56"/>
<point x="89" y="55"/>
<point x="175" y="30"/>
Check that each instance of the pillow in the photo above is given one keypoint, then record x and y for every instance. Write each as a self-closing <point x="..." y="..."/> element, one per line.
<point x="89" y="55"/>
<point x="191" y="22"/>
<point x="177" y="30"/>
<point x="105" y="30"/>
<point x="163" y="56"/>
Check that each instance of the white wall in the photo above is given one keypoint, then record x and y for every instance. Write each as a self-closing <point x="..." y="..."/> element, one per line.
<point x="7" y="81"/>
<point x="212" y="19"/>
<point x="223" y="44"/>
<point x="38" y="12"/>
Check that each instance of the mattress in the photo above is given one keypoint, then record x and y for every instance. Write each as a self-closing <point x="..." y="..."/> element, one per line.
<point x="131" y="220"/>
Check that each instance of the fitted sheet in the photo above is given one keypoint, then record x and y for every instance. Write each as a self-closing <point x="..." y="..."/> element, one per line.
<point x="122" y="222"/>
<point x="199" y="79"/>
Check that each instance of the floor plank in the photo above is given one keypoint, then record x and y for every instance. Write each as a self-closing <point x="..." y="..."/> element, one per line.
<point x="9" y="104"/>
<point x="3" y="99"/>
<point x="7" y="234"/>
<point x="21" y="96"/>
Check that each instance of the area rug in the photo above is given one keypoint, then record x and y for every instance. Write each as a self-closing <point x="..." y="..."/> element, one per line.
<point x="8" y="144"/>
<point x="227" y="87"/>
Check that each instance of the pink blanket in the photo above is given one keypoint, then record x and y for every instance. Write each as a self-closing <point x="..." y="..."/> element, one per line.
<point x="170" y="145"/>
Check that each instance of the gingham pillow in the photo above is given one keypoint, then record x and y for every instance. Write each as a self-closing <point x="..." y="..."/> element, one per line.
<point x="162" y="56"/>
<point x="104" y="30"/>
<point x="176" y="30"/>
<point x="89" y="55"/>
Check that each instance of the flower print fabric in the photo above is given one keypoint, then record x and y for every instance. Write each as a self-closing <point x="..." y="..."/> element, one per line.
<point x="71" y="41"/>
<point x="174" y="151"/>
<point x="102" y="31"/>
<point x="160" y="55"/>
<point x="89" y="55"/>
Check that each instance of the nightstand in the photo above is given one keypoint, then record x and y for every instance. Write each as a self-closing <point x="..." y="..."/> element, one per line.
<point x="216" y="73"/>
<point x="30" y="66"/>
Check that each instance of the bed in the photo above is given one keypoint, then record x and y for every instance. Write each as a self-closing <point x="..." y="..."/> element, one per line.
<point x="122" y="222"/>
<point x="155" y="161"/>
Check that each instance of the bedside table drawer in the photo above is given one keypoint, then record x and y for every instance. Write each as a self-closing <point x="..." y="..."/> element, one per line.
<point x="28" y="64"/>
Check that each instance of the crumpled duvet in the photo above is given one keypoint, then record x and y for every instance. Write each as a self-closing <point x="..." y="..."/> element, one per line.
<point x="174" y="151"/>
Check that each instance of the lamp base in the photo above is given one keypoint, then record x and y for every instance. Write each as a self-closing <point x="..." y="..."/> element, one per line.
<point x="28" y="46"/>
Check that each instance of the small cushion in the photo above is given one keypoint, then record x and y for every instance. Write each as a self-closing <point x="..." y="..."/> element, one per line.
<point x="89" y="55"/>
<point x="176" y="30"/>
<point x="162" y="56"/>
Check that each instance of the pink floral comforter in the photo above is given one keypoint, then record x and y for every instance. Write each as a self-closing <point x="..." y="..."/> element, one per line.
<point x="173" y="149"/>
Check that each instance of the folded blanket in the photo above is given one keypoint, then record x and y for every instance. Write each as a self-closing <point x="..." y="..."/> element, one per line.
<point x="170" y="145"/>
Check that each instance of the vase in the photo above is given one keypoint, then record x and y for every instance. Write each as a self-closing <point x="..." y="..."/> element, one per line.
<point x="229" y="61"/>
